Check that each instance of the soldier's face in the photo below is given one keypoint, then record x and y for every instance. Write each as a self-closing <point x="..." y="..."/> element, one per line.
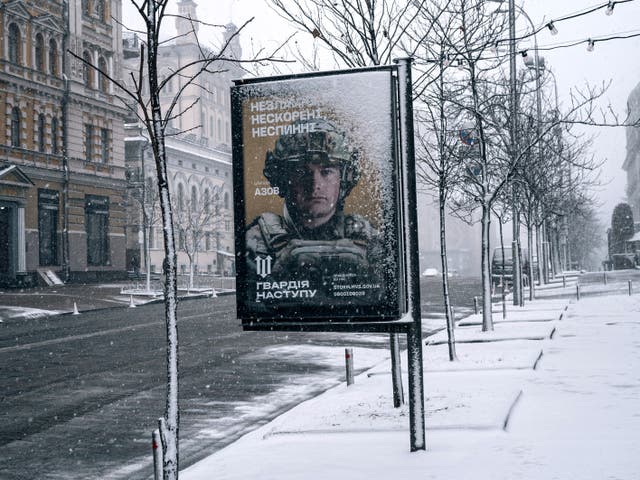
<point x="315" y="189"/>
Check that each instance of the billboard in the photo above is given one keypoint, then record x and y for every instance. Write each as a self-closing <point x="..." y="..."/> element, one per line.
<point x="317" y="207"/>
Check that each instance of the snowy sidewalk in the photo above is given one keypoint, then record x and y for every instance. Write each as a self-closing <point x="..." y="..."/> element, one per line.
<point x="552" y="392"/>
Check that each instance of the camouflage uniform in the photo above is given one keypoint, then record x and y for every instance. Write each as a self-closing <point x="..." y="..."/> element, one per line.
<point x="338" y="257"/>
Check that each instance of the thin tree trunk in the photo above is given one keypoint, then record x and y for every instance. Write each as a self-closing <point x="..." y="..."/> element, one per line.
<point x="451" y="341"/>
<point x="540" y="265"/>
<point x="487" y="320"/>
<point x="530" y="246"/>
<point x="503" y="296"/>
<point x="169" y="432"/>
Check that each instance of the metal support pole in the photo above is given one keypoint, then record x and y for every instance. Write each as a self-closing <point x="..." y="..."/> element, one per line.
<point x="513" y="128"/>
<point x="348" y="363"/>
<point x="577" y="292"/>
<point x="156" y="445"/>
<point x="630" y="287"/>
<point x="414" y="331"/>
<point x="475" y="305"/>
<point x="604" y="277"/>
<point x="396" y="371"/>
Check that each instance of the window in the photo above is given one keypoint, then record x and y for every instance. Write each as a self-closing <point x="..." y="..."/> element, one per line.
<point x="194" y="199"/>
<point x="207" y="201"/>
<point x="41" y="127"/>
<point x="54" y="135"/>
<point x="53" y="57"/>
<point x="219" y="130"/>
<point x="15" y="127"/>
<point x="103" y="83"/>
<point x="180" y="197"/>
<point x="87" y="70"/>
<point x="207" y="241"/>
<point x="100" y="10"/>
<point x="181" y="239"/>
<point x="86" y="7"/>
<point x="96" y="210"/>
<point x="15" y="44"/>
<point x="227" y="225"/>
<point x="88" y="142"/>
<point x="104" y="145"/>
<point x="152" y="238"/>
<point x="226" y="200"/>
<point x="48" y="201"/>
<point x="40" y="64"/>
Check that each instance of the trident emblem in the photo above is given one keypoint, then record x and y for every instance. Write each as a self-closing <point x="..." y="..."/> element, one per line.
<point x="263" y="266"/>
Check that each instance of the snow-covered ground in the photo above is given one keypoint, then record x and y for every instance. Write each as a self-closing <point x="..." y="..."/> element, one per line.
<point x="551" y="393"/>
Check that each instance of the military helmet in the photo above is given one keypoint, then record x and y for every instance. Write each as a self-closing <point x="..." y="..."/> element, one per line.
<point x="316" y="140"/>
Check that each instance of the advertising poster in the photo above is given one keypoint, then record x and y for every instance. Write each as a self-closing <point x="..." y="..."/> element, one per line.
<point x="316" y="196"/>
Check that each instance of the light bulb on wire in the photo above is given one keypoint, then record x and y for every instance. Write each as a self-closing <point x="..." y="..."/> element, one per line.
<point x="609" y="10"/>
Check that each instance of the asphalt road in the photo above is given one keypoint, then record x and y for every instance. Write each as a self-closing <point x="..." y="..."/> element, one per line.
<point x="82" y="394"/>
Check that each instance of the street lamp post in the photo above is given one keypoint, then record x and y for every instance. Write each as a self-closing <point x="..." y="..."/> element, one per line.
<point x="513" y="131"/>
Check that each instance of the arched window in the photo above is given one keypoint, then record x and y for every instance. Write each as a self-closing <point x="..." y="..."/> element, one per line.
<point x="207" y="200"/>
<point x="40" y="54"/>
<point x="15" y="127"/>
<point x="219" y="129"/>
<point x="194" y="199"/>
<point x="54" y="135"/>
<point x="100" y="11"/>
<point x="15" y="44"/>
<point x="87" y="69"/>
<point x="41" y="127"/>
<point x="180" y="197"/>
<point x="103" y="83"/>
<point x="226" y="200"/>
<point x="53" y="57"/>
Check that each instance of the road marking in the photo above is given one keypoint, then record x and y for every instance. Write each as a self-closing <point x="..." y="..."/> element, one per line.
<point x="84" y="336"/>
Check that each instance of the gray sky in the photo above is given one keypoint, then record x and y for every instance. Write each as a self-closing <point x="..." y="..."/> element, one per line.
<point x="615" y="60"/>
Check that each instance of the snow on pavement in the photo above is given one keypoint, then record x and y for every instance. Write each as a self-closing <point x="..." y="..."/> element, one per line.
<point x="564" y="407"/>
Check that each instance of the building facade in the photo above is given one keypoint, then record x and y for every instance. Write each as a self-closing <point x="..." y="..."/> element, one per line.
<point x="62" y="172"/>
<point x="198" y="159"/>
<point x="631" y="163"/>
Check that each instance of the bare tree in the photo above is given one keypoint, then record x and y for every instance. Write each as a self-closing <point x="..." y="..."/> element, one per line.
<point x="194" y="218"/>
<point x="142" y="93"/>
<point x="352" y="34"/>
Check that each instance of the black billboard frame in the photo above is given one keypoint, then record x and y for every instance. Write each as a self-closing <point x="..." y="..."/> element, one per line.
<point x="371" y="320"/>
<point x="411" y="319"/>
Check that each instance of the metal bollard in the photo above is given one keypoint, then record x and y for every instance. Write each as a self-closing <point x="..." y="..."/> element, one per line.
<point x="564" y="281"/>
<point x="475" y="305"/>
<point x="630" y="287"/>
<point x="348" y="361"/>
<point x="156" y="445"/>
<point x="577" y="292"/>
<point x="604" y="277"/>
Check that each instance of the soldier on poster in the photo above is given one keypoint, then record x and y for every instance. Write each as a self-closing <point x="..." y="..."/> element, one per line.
<point x="312" y="252"/>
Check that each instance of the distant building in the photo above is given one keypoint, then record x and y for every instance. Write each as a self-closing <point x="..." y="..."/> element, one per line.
<point x="631" y="163"/>
<point x="62" y="175"/>
<point x="199" y="159"/>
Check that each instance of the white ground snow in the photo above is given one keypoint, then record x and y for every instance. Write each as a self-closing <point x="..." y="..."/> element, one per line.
<point x="489" y="416"/>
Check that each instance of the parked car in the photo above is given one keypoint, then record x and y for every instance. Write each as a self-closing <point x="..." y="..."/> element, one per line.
<point x="504" y="270"/>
